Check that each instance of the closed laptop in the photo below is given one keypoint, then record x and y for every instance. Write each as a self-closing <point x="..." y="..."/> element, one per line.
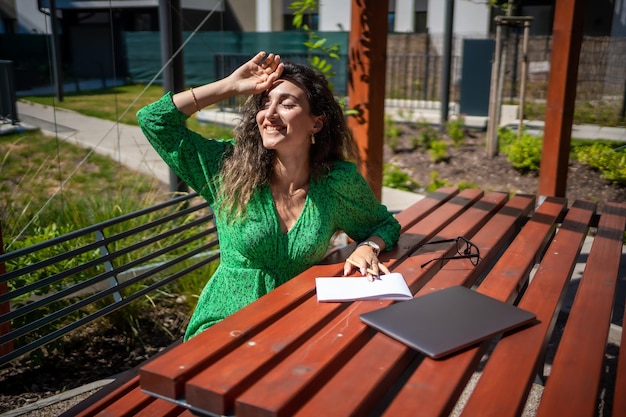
<point x="446" y="321"/>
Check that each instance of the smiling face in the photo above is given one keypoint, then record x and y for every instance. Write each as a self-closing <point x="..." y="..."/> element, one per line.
<point x="285" y="120"/>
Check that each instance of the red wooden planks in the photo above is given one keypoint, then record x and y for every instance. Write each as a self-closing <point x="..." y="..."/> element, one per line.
<point x="521" y="353"/>
<point x="572" y="386"/>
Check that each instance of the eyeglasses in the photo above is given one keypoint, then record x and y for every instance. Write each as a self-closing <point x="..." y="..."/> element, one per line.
<point x="464" y="248"/>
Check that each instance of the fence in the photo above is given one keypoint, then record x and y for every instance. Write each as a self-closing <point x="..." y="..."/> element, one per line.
<point x="413" y="63"/>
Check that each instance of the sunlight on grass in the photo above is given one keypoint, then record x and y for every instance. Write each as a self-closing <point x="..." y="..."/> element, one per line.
<point x="121" y="104"/>
<point x="36" y="171"/>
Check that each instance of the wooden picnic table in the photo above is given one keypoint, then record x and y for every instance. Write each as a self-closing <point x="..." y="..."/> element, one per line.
<point x="289" y="355"/>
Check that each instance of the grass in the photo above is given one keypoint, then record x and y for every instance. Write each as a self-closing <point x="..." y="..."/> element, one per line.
<point x="45" y="181"/>
<point x="121" y="104"/>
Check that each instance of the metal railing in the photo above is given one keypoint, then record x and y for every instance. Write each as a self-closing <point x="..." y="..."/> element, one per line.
<point x="57" y="286"/>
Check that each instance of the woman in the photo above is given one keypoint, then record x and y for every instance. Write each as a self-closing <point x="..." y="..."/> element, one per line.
<point x="279" y="190"/>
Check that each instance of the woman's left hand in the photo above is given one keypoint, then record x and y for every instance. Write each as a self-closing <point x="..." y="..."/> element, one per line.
<point x="258" y="74"/>
<point x="364" y="258"/>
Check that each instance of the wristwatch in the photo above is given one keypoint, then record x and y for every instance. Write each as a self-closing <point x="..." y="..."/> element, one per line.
<point x="372" y="245"/>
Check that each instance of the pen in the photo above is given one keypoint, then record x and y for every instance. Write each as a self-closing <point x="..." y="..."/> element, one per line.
<point x="371" y="271"/>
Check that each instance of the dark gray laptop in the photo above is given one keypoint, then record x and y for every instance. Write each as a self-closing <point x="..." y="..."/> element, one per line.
<point x="446" y="321"/>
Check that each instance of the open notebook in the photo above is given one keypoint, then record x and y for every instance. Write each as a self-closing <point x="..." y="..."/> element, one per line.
<point x="386" y="287"/>
<point x="446" y="321"/>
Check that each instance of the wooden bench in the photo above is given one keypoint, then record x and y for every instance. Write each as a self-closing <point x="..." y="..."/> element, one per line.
<point x="286" y="354"/>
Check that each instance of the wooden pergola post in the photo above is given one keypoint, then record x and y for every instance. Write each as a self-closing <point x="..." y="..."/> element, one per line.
<point x="367" y="61"/>
<point x="567" y="34"/>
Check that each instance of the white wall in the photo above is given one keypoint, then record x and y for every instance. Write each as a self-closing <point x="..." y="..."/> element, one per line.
<point x="471" y="18"/>
<point x="334" y="15"/>
<point x="29" y="18"/>
<point x="263" y="15"/>
<point x="404" y="16"/>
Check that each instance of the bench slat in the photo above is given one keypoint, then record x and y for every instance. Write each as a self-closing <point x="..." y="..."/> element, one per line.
<point x="521" y="353"/>
<point x="413" y="214"/>
<point x="436" y="385"/>
<point x="568" y="390"/>
<point x="167" y="378"/>
<point x="216" y="387"/>
<point x="128" y="405"/>
<point x="492" y="239"/>
<point x="160" y="408"/>
<point x="103" y="398"/>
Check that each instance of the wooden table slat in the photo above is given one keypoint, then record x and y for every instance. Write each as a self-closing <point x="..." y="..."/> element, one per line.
<point x="160" y="408"/>
<point x="619" y="399"/>
<point x="436" y="385"/>
<point x="216" y="387"/>
<point x="420" y="209"/>
<point x="521" y="353"/>
<point x="491" y="239"/>
<point x="108" y="400"/>
<point x="568" y="389"/>
<point x="129" y="405"/>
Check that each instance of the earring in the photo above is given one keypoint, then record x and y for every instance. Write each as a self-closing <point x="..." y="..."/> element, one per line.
<point x="312" y="138"/>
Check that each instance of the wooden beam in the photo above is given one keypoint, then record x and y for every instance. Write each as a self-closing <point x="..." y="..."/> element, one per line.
<point x="567" y="34"/>
<point x="367" y="58"/>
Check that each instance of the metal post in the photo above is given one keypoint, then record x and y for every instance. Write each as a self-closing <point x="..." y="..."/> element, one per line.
<point x="447" y="64"/>
<point x="170" y="25"/>
<point x="57" y="65"/>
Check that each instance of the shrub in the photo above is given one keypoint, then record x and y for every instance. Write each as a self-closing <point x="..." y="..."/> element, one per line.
<point x="610" y="162"/>
<point x="395" y="177"/>
<point x="438" y="151"/>
<point x="428" y="135"/>
<point x="524" y="153"/>
<point x="436" y="183"/>
<point x="456" y="132"/>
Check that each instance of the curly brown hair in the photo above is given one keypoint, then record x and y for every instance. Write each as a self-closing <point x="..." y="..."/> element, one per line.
<point x="250" y="165"/>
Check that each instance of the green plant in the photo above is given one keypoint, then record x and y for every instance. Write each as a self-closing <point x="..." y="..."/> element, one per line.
<point x="395" y="177"/>
<point x="427" y="135"/>
<point x="438" y="151"/>
<point x="435" y="182"/>
<point x="604" y="158"/>
<point x="524" y="152"/>
<point x="314" y="43"/>
<point x="456" y="131"/>
<point x="392" y="133"/>
<point x="463" y="185"/>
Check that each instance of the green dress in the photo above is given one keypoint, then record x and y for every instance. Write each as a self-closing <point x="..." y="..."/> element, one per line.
<point x="256" y="256"/>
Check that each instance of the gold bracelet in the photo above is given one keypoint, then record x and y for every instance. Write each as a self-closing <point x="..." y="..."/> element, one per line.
<point x="195" y="100"/>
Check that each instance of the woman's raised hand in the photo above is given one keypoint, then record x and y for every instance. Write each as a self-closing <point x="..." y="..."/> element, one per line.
<point x="258" y="74"/>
